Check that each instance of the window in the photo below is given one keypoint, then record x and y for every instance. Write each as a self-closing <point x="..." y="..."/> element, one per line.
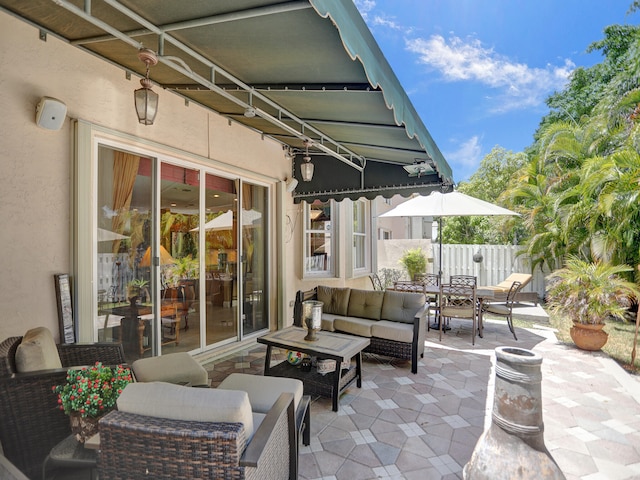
<point x="318" y="247"/>
<point x="384" y="234"/>
<point x="360" y="235"/>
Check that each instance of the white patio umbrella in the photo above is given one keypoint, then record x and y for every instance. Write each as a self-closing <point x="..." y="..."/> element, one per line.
<point x="225" y="221"/>
<point x="452" y="204"/>
<point x="109" y="236"/>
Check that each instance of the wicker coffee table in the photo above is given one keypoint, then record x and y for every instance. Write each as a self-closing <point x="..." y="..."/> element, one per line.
<point x="329" y="345"/>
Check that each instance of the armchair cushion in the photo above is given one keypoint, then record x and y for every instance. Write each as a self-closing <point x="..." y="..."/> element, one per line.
<point x="263" y="391"/>
<point x="171" y="368"/>
<point x="37" y="351"/>
<point x="175" y="402"/>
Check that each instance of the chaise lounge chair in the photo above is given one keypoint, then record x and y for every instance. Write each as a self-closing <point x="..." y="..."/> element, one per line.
<point x="501" y="290"/>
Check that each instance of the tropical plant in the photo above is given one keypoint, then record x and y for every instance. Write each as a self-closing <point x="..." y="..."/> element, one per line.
<point x="590" y="292"/>
<point x="414" y="261"/>
<point x="135" y="286"/>
<point x="184" y="268"/>
<point x="138" y="282"/>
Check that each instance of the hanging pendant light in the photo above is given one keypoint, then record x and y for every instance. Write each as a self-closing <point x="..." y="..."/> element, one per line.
<point x="146" y="100"/>
<point x="306" y="168"/>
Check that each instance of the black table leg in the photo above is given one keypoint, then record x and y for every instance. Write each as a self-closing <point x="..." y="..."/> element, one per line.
<point x="359" y="369"/>
<point x="336" y="385"/>
<point x="267" y="361"/>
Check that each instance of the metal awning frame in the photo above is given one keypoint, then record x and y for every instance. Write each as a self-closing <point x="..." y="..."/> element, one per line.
<point x="301" y="129"/>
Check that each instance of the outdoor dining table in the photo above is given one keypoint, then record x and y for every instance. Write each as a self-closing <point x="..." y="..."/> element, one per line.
<point x="482" y="293"/>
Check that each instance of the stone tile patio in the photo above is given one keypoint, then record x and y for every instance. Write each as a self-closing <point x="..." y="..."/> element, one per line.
<point x="425" y="426"/>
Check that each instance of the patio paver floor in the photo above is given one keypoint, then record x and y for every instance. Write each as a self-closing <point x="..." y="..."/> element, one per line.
<point x="425" y="426"/>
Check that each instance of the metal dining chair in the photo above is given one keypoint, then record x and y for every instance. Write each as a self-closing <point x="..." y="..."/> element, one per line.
<point x="505" y="309"/>
<point x="468" y="280"/>
<point x="430" y="280"/>
<point x="408" y="286"/>
<point x="464" y="280"/>
<point x="458" y="301"/>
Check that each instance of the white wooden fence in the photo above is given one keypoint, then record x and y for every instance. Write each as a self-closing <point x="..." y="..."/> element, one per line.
<point x="498" y="262"/>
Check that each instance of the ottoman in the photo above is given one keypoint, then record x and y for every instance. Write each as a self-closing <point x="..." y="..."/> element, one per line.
<point x="264" y="391"/>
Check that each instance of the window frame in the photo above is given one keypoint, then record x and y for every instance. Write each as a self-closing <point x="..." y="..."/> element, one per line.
<point x="307" y="231"/>
<point x="365" y="206"/>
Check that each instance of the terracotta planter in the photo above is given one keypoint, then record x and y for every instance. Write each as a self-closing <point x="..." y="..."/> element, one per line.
<point x="589" y="336"/>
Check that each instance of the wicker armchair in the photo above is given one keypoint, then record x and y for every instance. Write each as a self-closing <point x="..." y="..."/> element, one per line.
<point x="30" y="421"/>
<point x="144" y="446"/>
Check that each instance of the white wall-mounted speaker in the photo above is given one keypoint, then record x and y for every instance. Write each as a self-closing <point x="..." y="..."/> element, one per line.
<point x="50" y="113"/>
<point x="292" y="183"/>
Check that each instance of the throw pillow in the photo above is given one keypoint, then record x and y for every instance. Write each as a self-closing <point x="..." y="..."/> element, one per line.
<point x="37" y="351"/>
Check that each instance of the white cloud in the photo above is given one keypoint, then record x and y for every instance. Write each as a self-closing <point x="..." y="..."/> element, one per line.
<point x="517" y="84"/>
<point x="467" y="157"/>
<point x="386" y="22"/>
<point x="365" y="6"/>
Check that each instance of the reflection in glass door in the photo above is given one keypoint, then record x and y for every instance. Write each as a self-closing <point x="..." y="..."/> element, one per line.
<point x="254" y="258"/>
<point x="150" y="256"/>
<point x="179" y="258"/>
<point x="221" y="259"/>
<point x="124" y="225"/>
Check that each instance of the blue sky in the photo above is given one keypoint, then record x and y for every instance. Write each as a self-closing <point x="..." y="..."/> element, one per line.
<point x="478" y="71"/>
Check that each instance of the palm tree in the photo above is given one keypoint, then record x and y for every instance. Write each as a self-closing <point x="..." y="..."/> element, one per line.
<point x="529" y="194"/>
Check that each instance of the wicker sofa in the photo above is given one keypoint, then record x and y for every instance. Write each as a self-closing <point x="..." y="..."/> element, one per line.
<point x="30" y="421"/>
<point x="395" y="322"/>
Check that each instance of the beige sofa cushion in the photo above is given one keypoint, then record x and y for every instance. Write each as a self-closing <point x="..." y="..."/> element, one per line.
<point x="335" y="300"/>
<point x="401" y="306"/>
<point x="389" y="330"/>
<point x="354" y="325"/>
<point x="327" y="321"/>
<point x="166" y="400"/>
<point x="37" y="351"/>
<point x="365" y="304"/>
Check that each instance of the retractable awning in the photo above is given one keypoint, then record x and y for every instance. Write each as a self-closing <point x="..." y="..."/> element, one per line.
<point x="309" y="69"/>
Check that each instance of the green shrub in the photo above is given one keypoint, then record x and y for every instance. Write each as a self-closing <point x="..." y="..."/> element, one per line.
<point x="414" y="261"/>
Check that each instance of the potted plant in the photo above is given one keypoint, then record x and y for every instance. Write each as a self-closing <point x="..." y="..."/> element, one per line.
<point x="89" y="393"/>
<point x="588" y="293"/>
<point x="415" y="261"/>
<point x="135" y="286"/>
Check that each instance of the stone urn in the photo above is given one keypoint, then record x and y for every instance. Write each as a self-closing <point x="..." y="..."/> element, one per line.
<point x="513" y="446"/>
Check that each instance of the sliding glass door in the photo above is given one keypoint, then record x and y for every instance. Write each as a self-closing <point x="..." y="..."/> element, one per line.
<point x="125" y="223"/>
<point x="182" y="255"/>
<point x="254" y="258"/>
<point x="220" y="230"/>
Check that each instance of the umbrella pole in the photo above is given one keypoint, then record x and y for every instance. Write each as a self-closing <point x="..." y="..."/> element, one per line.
<point x="440" y="248"/>
<point x="436" y="324"/>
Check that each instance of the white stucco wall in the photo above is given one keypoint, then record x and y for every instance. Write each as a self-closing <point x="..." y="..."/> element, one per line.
<point x="37" y="163"/>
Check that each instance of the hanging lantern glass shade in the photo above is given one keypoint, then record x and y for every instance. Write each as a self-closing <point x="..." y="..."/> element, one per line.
<point x="146" y="102"/>
<point x="306" y="169"/>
